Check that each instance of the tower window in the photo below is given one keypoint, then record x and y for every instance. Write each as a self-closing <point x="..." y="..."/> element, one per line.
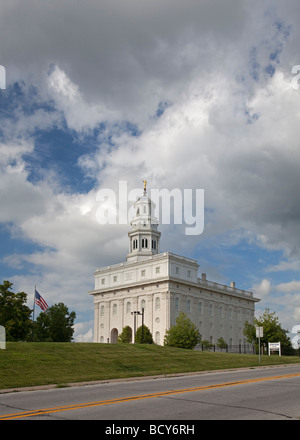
<point x="154" y="244"/>
<point x="144" y="242"/>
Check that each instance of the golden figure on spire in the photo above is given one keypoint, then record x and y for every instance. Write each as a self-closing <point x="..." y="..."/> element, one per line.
<point x="145" y="183"/>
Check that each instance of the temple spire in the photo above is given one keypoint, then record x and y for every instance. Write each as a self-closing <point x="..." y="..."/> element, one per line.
<point x="145" y="186"/>
<point x="144" y="235"/>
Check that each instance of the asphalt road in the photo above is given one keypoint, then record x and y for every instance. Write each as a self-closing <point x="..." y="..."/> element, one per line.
<point x="248" y="394"/>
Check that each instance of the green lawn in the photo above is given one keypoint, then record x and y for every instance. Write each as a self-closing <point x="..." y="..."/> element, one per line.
<point x="28" y="364"/>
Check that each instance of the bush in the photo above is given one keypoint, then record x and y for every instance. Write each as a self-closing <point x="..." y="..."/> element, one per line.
<point x="182" y="335"/>
<point x="147" y="336"/>
<point x="207" y="345"/>
<point x="125" y="337"/>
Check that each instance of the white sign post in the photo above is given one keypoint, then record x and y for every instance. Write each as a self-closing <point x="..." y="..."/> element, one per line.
<point x="259" y="334"/>
<point x="274" y="346"/>
<point x="2" y="338"/>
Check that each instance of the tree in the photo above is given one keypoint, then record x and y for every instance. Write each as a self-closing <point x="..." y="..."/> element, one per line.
<point x="125" y="336"/>
<point x="221" y="343"/>
<point x="272" y="330"/>
<point x="207" y="345"/>
<point x="143" y="336"/>
<point x="55" y="325"/>
<point x="14" y="314"/>
<point x="183" y="335"/>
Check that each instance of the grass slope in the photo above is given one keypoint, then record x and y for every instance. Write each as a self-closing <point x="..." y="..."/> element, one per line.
<point x="29" y="364"/>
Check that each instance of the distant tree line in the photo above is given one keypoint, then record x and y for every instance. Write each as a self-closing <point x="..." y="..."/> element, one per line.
<point x="53" y="325"/>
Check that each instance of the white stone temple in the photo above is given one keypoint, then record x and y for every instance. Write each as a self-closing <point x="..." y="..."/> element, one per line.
<point x="162" y="285"/>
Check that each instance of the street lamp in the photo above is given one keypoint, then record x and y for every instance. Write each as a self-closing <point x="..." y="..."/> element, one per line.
<point x="135" y="313"/>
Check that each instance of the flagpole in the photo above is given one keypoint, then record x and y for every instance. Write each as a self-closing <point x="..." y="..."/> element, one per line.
<point x="32" y="336"/>
<point x="33" y="303"/>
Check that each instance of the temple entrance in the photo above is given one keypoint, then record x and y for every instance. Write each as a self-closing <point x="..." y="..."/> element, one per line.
<point x="114" y="336"/>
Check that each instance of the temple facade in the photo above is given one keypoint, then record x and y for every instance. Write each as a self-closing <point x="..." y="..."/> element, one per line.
<point x="156" y="287"/>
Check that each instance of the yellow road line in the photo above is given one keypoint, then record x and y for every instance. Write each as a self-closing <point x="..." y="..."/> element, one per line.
<point x="38" y="412"/>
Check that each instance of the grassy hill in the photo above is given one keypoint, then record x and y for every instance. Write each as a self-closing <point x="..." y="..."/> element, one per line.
<point x="29" y="364"/>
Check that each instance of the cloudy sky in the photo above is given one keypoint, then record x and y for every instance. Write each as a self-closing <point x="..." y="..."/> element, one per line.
<point x="186" y="94"/>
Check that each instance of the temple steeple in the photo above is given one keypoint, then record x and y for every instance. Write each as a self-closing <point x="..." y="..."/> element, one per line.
<point x="144" y="235"/>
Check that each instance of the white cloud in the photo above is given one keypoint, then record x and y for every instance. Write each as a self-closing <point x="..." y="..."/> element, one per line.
<point x="296" y="314"/>
<point x="83" y="332"/>
<point x="283" y="266"/>
<point x="262" y="289"/>
<point x="80" y="115"/>
<point x="291" y="286"/>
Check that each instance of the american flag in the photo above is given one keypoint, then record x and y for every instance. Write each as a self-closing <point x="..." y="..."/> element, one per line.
<point x="39" y="300"/>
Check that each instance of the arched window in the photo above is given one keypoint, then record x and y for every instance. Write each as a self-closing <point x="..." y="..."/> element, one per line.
<point x="115" y="309"/>
<point x="239" y="314"/>
<point x="157" y="304"/>
<point x="102" y="311"/>
<point x="157" y="338"/>
<point x="200" y="307"/>
<point x="128" y="307"/>
<point x="188" y="306"/>
<point x="143" y="304"/>
<point x="176" y="303"/>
